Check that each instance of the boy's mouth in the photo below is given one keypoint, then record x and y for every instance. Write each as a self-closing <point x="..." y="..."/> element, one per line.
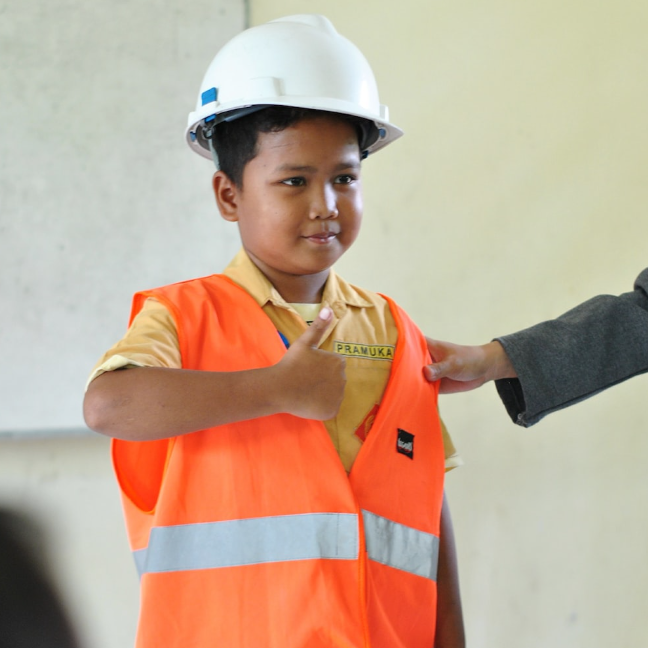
<point x="321" y="238"/>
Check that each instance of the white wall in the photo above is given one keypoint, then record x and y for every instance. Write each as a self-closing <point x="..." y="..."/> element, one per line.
<point x="99" y="194"/>
<point x="517" y="192"/>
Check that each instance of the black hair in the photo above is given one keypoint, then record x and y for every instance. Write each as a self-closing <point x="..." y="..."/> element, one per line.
<point x="235" y="141"/>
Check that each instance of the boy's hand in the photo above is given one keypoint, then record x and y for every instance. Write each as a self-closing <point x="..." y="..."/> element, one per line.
<point x="311" y="381"/>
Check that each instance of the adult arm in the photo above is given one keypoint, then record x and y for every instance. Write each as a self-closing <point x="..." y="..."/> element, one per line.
<point x="450" y="627"/>
<point x="557" y="363"/>
<point x="148" y="403"/>
<point x="596" y="345"/>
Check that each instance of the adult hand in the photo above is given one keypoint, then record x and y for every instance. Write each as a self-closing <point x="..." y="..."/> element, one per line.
<point x="312" y="380"/>
<point x="462" y="368"/>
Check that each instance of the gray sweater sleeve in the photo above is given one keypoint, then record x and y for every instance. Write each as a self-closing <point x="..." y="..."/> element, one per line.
<point x="596" y="345"/>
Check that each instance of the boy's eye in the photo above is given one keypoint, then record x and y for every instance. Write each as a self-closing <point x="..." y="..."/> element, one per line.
<point x="345" y="179"/>
<point x="294" y="182"/>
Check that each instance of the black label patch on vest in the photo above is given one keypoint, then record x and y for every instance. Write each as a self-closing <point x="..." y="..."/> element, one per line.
<point x="405" y="443"/>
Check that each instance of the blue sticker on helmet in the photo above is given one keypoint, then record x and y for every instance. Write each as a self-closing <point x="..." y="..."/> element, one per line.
<point x="209" y="95"/>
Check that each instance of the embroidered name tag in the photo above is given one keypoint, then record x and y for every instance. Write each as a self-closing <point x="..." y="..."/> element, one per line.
<point x="368" y="351"/>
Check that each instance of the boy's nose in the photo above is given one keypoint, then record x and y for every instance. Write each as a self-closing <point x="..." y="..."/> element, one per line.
<point x="324" y="204"/>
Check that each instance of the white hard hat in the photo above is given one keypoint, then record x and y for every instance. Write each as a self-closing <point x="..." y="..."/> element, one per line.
<point x="298" y="61"/>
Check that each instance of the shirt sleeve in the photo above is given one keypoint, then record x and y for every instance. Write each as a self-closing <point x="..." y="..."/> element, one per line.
<point x="596" y="345"/>
<point x="452" y="457"/>
<point x="151" y="341"/>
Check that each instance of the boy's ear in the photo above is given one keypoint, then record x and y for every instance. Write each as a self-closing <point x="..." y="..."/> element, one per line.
<point x="226" y="194"/>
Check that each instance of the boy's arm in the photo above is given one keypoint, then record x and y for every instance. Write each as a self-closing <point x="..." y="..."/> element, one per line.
<point x="449" y="624"/>
<point x="147" y="403"/>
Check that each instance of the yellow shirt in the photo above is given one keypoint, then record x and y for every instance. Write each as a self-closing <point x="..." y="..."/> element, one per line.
<point x="363" y="330"/>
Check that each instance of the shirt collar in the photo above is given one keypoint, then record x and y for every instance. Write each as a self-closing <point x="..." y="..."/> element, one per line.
<point x="337" y="292"/>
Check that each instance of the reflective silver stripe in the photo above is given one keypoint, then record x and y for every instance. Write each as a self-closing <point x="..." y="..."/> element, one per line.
<point x="400" y="546"/>
<point x="140" y="560"/>
<point x="252" y="541"/>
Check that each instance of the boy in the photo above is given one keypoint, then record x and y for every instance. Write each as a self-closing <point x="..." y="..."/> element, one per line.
<point x="254" y="524"/>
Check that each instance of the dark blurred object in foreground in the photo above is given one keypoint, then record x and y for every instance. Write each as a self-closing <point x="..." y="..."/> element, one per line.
<point x="31" y="613"/>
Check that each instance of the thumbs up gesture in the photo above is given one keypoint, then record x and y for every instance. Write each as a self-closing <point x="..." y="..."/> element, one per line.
<point x="312" y="380"/>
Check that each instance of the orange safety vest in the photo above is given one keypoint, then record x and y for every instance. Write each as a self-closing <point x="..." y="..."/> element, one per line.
<point x="251" y="535"/>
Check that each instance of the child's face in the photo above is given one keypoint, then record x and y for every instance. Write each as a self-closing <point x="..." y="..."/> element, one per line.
<point x="300" y="204"/>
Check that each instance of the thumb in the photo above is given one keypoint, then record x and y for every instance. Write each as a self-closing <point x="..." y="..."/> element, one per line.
<point x="315" y="332"/>
<point x="436" y="371"/>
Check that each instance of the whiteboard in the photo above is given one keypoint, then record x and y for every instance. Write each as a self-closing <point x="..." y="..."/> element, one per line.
<point x="99" y="194"/>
